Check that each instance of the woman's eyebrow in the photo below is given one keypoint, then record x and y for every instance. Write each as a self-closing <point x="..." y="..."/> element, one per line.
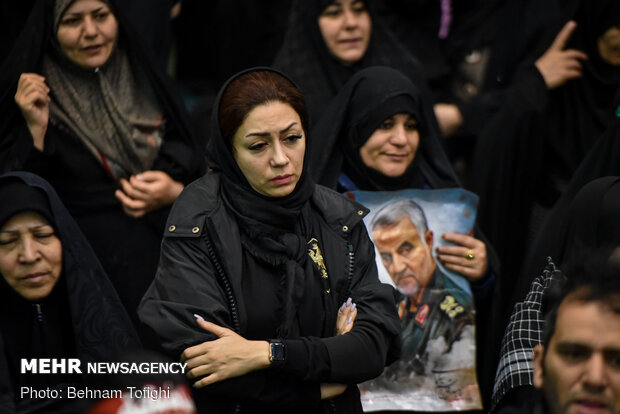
<point x="266" y="134"/>
<point x="81" y="13"/>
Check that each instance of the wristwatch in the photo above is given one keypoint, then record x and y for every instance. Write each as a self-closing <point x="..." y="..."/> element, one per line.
<point x="277" y="352"/>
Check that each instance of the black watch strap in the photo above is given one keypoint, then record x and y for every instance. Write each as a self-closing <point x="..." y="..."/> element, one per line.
<point x="277" y="352"/>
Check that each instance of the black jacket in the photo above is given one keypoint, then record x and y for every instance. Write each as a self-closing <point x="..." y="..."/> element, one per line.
<point x="189" y="283"/>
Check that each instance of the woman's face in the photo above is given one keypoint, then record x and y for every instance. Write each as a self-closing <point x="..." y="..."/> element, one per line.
<point x="346" y="26"/>
<point x="269" y="148"/>
<point x="392" y="147"/>
<point x="87" y="33"/>
<point x="609" y="46"/>
<point x="30" y="255"/>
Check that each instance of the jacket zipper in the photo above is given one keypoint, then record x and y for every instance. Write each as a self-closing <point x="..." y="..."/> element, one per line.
<point x="39" y="312"/>
<point x="351" y="255"/>
<point x="230" y="296"/>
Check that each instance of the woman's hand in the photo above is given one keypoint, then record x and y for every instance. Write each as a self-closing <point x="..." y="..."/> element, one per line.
<point x="33" y="99"/>
<point x="147" y="191"/>
<point x="469" y="258"/>
<point x="229" y="356"/>
<point x="449" y="118"/>
<point x="557" y="65"/>
<point x="346" y="316"/>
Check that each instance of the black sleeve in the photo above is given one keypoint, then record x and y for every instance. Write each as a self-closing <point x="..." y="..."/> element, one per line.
<point x="186" y="285"/>
<point x="182" y="161"/>
<point x="375" y="330"/>
<point x="527" y="91"/>
<point x="17" y="150"/>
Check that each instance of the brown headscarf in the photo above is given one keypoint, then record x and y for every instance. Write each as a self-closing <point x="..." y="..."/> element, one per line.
<point x="112" y="109"/>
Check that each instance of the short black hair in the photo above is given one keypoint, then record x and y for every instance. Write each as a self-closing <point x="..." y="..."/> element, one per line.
<point x="593" y="277"/>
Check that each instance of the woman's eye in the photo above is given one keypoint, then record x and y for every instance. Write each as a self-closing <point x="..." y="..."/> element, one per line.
<point x="293" y="138"/>
<point x="101" y="16"/>
<point x="257" y="146"/>
<point x="44" y="235"/>
<point x="358" y="7"/>
<point x="331" y="11"/>
<point x="8" y="240"/>
<point x="72" y="21"/>
<point x="411" y="126"/>
<point x="386" y="125"/>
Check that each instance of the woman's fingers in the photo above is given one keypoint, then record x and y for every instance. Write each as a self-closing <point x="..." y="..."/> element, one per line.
<point x="468" y="258"/>
<point x="346" y="317"/>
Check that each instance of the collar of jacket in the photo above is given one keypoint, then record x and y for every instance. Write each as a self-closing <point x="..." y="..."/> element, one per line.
<point x="201" y="200"/>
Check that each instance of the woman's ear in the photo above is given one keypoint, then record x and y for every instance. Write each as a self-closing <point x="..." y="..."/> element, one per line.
<point x="539" y="359"/>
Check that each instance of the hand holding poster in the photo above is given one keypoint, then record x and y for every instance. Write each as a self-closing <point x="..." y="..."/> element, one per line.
<point x="437" y="366"/>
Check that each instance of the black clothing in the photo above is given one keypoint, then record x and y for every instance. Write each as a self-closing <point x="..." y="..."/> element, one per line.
<point x="186" y="284"/>
<point x="586" y="220"/>
<point x="529" y="150"/>
<point x="338" y="140"/>
<point x="305" y="58"/>
<point x="82" y="317"/>
<point x="128" y="248"/>
<point x="227" y="244"/>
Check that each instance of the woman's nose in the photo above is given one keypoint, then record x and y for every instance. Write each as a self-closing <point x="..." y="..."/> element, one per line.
<point x="29" y="252"/>
<point x="279" y="157"/>
<point x="399" y="136"/>
<point x="90" y="27"/>
<point x="350" y="19"/>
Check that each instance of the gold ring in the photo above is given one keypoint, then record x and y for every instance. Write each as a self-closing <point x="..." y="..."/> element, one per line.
<point x="470" y="255"/>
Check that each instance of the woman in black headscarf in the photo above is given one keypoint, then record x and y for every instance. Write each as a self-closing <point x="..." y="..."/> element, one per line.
<point x="85" y="107"/>
<point x="55" y="299"/>
<point x="328" y="41"/>
<point x="261" y="252"/>
<point x="530" y="149"/>
<point x="374" y="136"/>
<point x="601" y="161"/>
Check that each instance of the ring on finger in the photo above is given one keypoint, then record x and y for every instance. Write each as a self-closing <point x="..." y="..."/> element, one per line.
<point x="470" y="255"/>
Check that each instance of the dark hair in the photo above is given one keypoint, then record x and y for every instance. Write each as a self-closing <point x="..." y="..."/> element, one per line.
<point x="591" y="278"/>
<point x="252" y="89"/>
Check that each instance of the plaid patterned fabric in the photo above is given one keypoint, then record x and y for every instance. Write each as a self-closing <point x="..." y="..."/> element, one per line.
<point x="523" y="333"/>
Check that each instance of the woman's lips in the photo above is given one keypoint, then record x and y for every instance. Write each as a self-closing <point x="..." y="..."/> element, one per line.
<point x="282" y="179"/>
<point x="92" y="50"/>
<point x="350" y="41"/>
<point x="34" y="278"/>
<point x="397" y="157"/>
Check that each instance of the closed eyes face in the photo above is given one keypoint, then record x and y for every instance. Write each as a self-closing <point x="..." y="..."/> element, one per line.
<point x="30" y="255"/>
<point x="392" y="147"/>
<point x="269" y="148"/>
<point x="346" y="28"/>
<point x="580" y="372"/>
<point x="87" y="33"/>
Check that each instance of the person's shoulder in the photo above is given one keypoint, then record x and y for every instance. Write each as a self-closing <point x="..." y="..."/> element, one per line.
<point x="197" y="200"/>
<point x="338" y="210"/>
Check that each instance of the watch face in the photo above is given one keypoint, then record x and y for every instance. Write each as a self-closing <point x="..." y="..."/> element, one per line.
<point x="277" y="351"/>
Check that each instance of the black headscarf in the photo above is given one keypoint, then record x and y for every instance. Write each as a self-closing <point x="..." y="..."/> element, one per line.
<point x="528" y="152"/>
<point x="601" y="161"/>
<point x="372" y="95"/>
<point x="365" y="101"/>
<point x="274" y="230"/>
<point x="82" y="317"/>
<point x="306" y="59"/>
